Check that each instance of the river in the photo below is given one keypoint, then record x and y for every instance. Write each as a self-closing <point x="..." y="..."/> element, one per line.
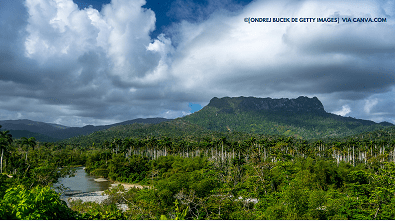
<point x="82" y="182"/>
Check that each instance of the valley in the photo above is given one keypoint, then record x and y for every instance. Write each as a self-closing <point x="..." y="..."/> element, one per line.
<point x="236" y="158"/>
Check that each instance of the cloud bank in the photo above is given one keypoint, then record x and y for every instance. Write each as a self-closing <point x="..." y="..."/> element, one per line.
<point x="72" y="66"/>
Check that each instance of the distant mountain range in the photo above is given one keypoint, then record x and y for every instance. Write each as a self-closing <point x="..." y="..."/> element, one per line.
<point x="302" y="117"/>
<point x="54" y="132"/>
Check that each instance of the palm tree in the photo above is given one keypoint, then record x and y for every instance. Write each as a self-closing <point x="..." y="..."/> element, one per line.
<point x="153" y="142"/>
<point x="206" y="144"/>
<point x="115" y="144"/>
<point x="263" y="143"/>
<point x="319" y="144"/>
<point x="371" y="145"/>
<point x="31" y="142"/>
<point x="252" y="142"/>
<point x="106" y="146"/>
<point x="223" y="141"/>
<point x="126" y="143"/>
<point x="122" y="148"/>
<point x="183" y="145"/>
<point x="132" y="146"/>
<point x="166" y="144"/>
<point x="142" y="147"/>
<point x="5" y="141"/>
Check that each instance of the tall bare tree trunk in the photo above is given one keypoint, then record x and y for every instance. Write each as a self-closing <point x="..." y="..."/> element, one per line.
<point x="1" y="166"/>
<point x="353" y="160"/>
<point x="222" y="152"/>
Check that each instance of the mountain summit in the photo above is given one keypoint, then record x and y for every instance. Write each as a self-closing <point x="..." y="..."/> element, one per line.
<point x="300" y="104"/>
<point x="302" y="117"/>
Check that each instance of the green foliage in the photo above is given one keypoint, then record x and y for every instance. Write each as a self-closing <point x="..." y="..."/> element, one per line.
<point x="383" y="193"/>
<point x="95" y="211"/>
<point x="5" y="183"/>
<point x="180" y="215"/>
<point x="184" y="174"/>
<point x="100" y="172"/>
<point x="132" y="169"/>
<point x="37" y="203"/>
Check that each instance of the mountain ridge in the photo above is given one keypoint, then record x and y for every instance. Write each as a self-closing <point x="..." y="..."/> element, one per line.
<point x="301" y="117"/>
<point x="53" y="132"/>
<point x="300" y="104"/>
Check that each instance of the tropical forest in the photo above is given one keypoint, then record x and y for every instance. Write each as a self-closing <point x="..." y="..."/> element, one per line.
<point x="241" y="158"/>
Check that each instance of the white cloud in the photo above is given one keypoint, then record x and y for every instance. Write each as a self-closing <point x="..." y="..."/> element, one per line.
<point x="279" y="57"/>
<point x="345" y="110"/>
<point x="57" y="28"/>
<point x="369" y="104"/>
<point x="174" y="114"/>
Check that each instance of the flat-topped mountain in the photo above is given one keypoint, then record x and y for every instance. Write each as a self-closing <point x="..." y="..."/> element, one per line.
<point x="301" y="117"/>
<point x="300" y="104"/>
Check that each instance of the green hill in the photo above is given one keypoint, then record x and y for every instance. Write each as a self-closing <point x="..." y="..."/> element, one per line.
<point x="54" y="132"/>
<point x="177" y="128"/>
<point x="17" y="134"/>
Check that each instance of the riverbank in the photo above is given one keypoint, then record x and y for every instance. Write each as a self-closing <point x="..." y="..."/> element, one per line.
<point x="127" y="186"/>
<point x="96" y="197"/>
<point x="99" y="196"/>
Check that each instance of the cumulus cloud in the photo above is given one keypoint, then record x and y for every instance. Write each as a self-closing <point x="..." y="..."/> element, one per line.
<point x="72" y="66"/>
<point x="345" y="110"/>
<point x="285" y="56"/>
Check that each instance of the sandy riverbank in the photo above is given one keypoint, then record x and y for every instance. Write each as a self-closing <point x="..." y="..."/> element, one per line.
<point x="127" y="186"/>
<point x="97" y="196"/>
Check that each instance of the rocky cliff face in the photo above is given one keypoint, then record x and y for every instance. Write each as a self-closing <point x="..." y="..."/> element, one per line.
<point x="300" y="104"/>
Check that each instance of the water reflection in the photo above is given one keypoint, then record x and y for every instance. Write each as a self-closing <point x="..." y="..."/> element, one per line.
<point x="82" y="182"/>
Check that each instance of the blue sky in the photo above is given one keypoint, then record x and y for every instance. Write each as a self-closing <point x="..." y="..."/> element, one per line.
<point x="64" y="62"/>
<point x="168" y="11"/>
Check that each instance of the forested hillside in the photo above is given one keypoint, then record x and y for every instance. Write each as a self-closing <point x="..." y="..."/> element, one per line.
<point x="46" y="132"/>
<point x="302" y="118"/>
<point x="40" y="137"/>
<point x="175" y="128"/>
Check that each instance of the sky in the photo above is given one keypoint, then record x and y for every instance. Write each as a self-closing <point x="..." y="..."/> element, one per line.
<point x="95" y="62"/>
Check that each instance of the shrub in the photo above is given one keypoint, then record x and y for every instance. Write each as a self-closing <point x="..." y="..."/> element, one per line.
<point x="37" y="203"/>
